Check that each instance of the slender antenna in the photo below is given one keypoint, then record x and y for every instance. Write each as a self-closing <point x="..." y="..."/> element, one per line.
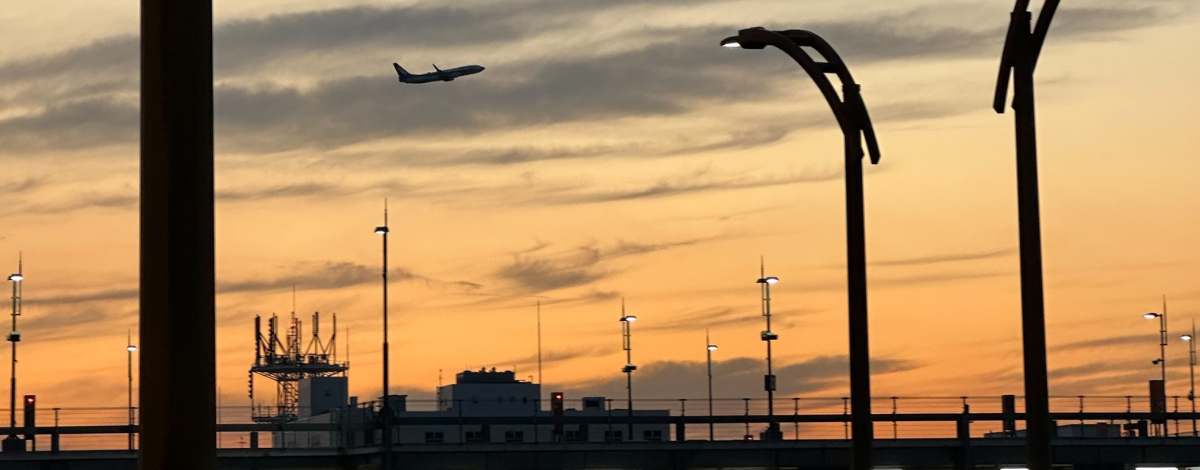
<point x="293" y="298"/>
<point x="762" y="266"/>
<point x="539" y="333"/>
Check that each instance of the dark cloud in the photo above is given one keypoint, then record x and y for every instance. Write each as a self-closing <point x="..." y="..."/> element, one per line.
<point x="673" y="72"/>
<point x="736" y="378"/>
<point x="555" y="356"/>
<point x="312" y="276"/>
<point x="947" y="258"/>
<point x="1093" y="343"/>
<point x="536" y="272"/>
<point x="938" y="278"/>
<point x="721" y="316"/>
<point x="693" y="185"/>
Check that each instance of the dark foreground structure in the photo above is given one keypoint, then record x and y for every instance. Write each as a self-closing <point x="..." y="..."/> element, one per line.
<point x="980" y="453"/>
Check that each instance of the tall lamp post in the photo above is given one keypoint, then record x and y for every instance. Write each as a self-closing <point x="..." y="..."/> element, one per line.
<point x="1021" y="50"/>
<point x="385" y="410"/>
<point x="856" y="126"/>
<point x="626" y="323"/>
<point x="710" y="348"/>
<point x="14" y="443"/>
<point x="768" y="336"/>
<point x="1191" y="339"/>
<point x="1162" y="341"/>
<point x="129" y="350"/>
<point x="1161" y="361"/>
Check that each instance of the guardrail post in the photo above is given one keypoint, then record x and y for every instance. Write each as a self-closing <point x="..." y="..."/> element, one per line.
<point x="681" y="427"/>
<point x="253" y="439"/>
<point x="964" y="439"/>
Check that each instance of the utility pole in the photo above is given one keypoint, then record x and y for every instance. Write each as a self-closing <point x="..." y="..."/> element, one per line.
<point x="385" y="410"/>
<point x="773" y="433"/>
<point x="130" y="349"/>
<point x="14" y="443"/>
<point x="627" y="333"/>
<point x="710" y="348"/>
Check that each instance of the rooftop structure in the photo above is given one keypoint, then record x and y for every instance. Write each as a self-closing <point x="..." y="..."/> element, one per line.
<point x="287" y="363"/>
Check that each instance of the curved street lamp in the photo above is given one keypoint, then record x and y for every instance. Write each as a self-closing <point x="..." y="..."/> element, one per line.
<point x="852" y="117"/>
<point x="1019" y="59"/>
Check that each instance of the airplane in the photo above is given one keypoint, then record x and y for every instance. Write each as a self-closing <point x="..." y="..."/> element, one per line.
<point x="439" y="75"/>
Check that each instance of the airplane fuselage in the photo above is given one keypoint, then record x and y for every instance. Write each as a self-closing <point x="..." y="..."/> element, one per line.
<point x="439" y="75"/>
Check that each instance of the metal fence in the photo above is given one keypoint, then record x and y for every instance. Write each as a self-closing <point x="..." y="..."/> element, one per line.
<point x="815" y="417"/>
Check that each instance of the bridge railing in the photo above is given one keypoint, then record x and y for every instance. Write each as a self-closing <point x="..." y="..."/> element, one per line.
<point x="733" y="418"/>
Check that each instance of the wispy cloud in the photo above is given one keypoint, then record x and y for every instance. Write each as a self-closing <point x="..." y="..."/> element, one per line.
<point x="534" y="271"/>
<point x="738" y="377"/>
<point x="947" y="258"/>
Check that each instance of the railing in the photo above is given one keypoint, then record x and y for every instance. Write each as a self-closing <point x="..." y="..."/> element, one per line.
<point x="731" y="418"/>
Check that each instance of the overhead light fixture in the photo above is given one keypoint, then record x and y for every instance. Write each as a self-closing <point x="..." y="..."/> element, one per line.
<point x="712" y="347"/>
<point x="381" y="230"/>
<point x="16" y="277"/>
<point x="131" y="348"/>
<point x="1150" y="316"/>
<point x="1186" y="337"/>
<point x="629" y="318"/>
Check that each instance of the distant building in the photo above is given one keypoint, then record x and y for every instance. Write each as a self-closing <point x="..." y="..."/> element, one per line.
<point x="479" y="393"/>
<point x="1071" y="430"/>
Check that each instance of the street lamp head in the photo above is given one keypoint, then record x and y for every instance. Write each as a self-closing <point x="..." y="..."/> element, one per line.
<point x="731" y="42"/>
<point x="1150" y="316"/>
<point x="768" y="280"/>
<point x="131" y="348"/>
<point x="629" y="318"/>
<point x="16" y="277"/>
<point x="381" y="230"/>
<point x="712" y="347"/>
<point x="1156" y="361"/>
<point x="1186" y="337"/>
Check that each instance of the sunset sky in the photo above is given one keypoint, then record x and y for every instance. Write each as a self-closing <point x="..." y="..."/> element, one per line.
<point x="611" y="149"/>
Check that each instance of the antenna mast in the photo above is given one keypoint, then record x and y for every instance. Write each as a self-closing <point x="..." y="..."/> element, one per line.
<point x="539" y="339"/>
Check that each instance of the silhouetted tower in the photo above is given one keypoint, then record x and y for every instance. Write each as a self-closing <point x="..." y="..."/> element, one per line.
<point x="285" y="363"/>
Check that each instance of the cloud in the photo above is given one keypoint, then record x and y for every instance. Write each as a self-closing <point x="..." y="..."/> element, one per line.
<point x="737" y="377"/>
<point x="696" y="184"/>
<point x="533" y="271"/>
<point x="556" y="356"/>
<point x="722" y="316"/>
<point x="1121" y="340"/>
<point x="947" y="258"/>
<point x="311" y="276"/>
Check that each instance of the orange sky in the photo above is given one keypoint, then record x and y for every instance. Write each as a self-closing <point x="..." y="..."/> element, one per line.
<point x="612" y="150"/>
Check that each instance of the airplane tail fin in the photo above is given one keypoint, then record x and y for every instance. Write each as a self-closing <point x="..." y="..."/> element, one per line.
<point x="400" y="70"/>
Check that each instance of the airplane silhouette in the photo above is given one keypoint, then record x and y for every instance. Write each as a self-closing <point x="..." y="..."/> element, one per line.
<point x="439" y="75"/>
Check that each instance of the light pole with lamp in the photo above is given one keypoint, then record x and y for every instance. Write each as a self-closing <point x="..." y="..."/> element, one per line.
<point x="773" y="432"/>
<point x="710" y="348"/>
<point x="129" y="350"/>
<point x="1191" y="339"/>
<point x="1018" y="61"/>
<point x="1162" y="341"/>
<point x="385" y="410"/>
<point x="626" y="323"/>
<point x="852" y="118"/>
<point x="14" y="443"/>
<point x="1161" y="361"/>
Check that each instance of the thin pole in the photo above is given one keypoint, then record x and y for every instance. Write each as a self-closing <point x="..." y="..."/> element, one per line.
<point x="1033" y="315"/>
<point x="129" y="348"/>
<point x="539" y="339"/>
<point x="628" y="333"/>
<point x="1192" y="373"/>
<point x="708" y="348"/>
<point x="769" y="383"/>
<point x="861" y="426"/>
<point x="386" y="409"/>
<point x="14" y="338"/>
<point x="1162" y="345"/>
